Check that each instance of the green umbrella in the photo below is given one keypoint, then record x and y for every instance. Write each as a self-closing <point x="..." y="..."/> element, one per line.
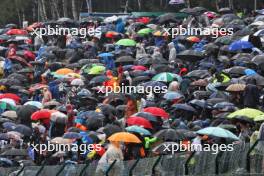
<point x="259" y="118"/>
<point x="164" y="77"/>
<point x="126" y="42"/>
<point x="6" y="106"/>
<point x="144" y="31"/>
<point x="217" y="132"/>
<point x="138" y="129"/>
<point x="249" y="112"/>
<point x="55" y="75"/>
<point x="96" y="70"/>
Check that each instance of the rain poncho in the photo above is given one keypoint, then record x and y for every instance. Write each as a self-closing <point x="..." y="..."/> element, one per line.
<point x="120" y="26"/>
<point x="172" y="55"/>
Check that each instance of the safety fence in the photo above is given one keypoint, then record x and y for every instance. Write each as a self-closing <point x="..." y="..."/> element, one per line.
<point x="243" y="159"/>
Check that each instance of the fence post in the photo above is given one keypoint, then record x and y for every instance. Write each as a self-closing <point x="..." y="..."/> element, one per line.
<point x="20" y="171"/>
<point x="110" y="167"/>
<point x="41" y="168"/>
<point x="155" y="165"/>
<point x="133" y="167"/>
<point x="249" y="152"/>
<point x="217" y="161"/>
<point x="61" y="169"/>
<point x="84" y="168"/>
<point x="187" y="163"/>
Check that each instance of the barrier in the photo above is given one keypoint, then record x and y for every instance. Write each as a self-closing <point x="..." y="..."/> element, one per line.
<point x="244" y="157"/>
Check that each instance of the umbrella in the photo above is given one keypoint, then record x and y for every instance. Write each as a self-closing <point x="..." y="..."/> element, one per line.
<point x="41" y="114"/>
<point x="249" y="112"/>
<point x="259" y="79"/>
<point x="184" y="107"/>
<point x="200" y="74"/>
<point x="124" y="137"/>
<point x="171" y="95"/>
<point x="65" y="20"/>
<point x="190" y="55"/>
<point x="59" y="117"/>
<point x="106" y="55"/>
<point x="164" y="77"/>
<point x="259" y="118"/>
<point x="51" y="103"/>
<point x="239" y="45"/>
<point x="244" y="119"/>
<point x="10" y="96"/>
<point x="236" y="88"/>
<point x="258" y="59"/>
<point x="23" y="129"/>
<point x="14" y="135"/>
<point x="17" y="32"/>
<point x="34" y="103"/>
<point x="166" y="148"/>
<point x="96" y="70"/>
<point x="139" y="121"/>
<point x="166" y="18"/>
<point x="157" y="112"/>
<point x="111" y="34"/>
<point x="60" y="140"/>
<point x="64" y="71"/>
<point x="5" y="104"/>
<point x="199" y="103"/>
<point x="126" y="42"/>
<point x="224" y="106"/>
<point x="12" y="115"/>
<point x="72" y="135"/>
<point x="144" y="31"/>
<point x="154" y="84"/>
<point x="236" y="70"/>
<point x="224" y="40"/>
<point x="77" y="82"/>
<point x="146" y="115"/>
<point x="193" y="39"/>
<point x="10" y="126"/>
<point x="99" y="79"/>
<point x="217" y="132"/>
<point x="139" y="67"/>
<point x="169" y="135"/>
<point x="138" y="129"/>
<point x="110" y="129"/>
<point x="5" y="162"/>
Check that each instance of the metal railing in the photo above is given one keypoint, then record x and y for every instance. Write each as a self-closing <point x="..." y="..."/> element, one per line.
<point x="243" y="159"/>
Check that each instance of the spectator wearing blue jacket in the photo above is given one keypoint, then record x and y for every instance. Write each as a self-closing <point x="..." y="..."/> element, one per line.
<point x="120" y="26"/>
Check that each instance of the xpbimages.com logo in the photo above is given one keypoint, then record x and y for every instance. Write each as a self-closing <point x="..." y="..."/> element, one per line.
<point x="131" y="89"/>
<point x="57" y="30"/>
<point x="192" y="31"/>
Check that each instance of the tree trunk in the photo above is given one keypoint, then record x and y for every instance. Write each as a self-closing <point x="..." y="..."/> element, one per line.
<point x="65" y="8"/>
<point x="55" y="8"/>
<point x="139" y="4"/>
<point x="44" y="10"/>
<point x="74" y="10"/>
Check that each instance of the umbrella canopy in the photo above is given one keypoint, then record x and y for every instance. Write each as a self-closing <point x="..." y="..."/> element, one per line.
<point x="217" y="132"/>
<point x="139" y="121"/>
<point x="99" y="79"/>
<point x="172" y="95"/>
<point x="72" y="135"/>
<point x="35" y="103"/>
<point x="144" y="31"/>
<point x="249" y="112"/>
<point x="12" y="115"/>
<point x="190" y="55"/>
<point x="124" y="137"/>
<point x="15" y="152"/>
<point x="110" y="129"/>
<point x="239" y="45"/>
<point x="164" y="77"/>
<point x="259" y="118"/>
<point x="126" y="42"/>
<point x="184" y="107"/>
<point x="17" y="32"/>
<point x="236" y="88"/>
<point x="10" y="96"/>
<point x="10" y="126"/>
<point x="23" y="129"/>
<point x="77" y="82"/>
<point x="146" y="115"/>
<point x="61" y="140"/>
<point x="138" y="129"/>
<point x="41" y="114"/>
<point x="96" y="70"/>
<point x="64" y="71"/>
<point x="157" y="112"/>
<point x="169" y="135"/>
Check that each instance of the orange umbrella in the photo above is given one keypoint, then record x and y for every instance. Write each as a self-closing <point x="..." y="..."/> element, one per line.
<point x="160" y="33"/>
<point x="193" y="39"/>
<point x="64" y="71"/>
<point x="124" y="137"/>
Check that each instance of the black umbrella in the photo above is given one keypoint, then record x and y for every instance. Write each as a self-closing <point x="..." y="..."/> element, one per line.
<point x="10" y="126"/>
<point x="98" y="79"/>
<point x="74" y="129"/>
<point x="190" y="55"/>
<point x="187" y="133"/>
<point x="169" y="135"/>
<point x="15" y="152"/>
<point x="259" y="79"/>
<point x="24" y="113"/>
<point x="167" y="17"/>
<point x="236" y="70"/>
<point x="200" y="74"/>
<point x="184" y="107"/>
<point x="23" y="129"/>
<point x="110" y="129"/>
<point x="242" y="57"/>
<point x="199" y="103"/>
<point x="125" y="59"/>
<point x="5" y="162"/>
<point x="146" y="115"/>
<point x="258" y="59"/>
<point x="225" y="10"/>
<point x="140" y="79"/>
<point x="94" y="123"/>
<point x="107" y="109"/>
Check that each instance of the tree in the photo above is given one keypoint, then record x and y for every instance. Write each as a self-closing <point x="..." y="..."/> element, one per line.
<point x="74" y="10"/>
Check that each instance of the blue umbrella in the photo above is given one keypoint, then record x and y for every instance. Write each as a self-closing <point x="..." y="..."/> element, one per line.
<point x="173" y="95"/>
<point x="217" y="132"/>
<point x="250" y="72"/>
<point x="184" y="107"/>
<point x="106" y="55"/>
<point x="138" y="129"/>
<point x="72" y="135"/>
<point x="10" y="126"/>
<point x="239" y="45"/>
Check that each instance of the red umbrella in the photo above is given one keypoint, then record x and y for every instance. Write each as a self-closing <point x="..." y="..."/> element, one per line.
<point x="17" y="32"/>
<point x="139" y="67"/>
<point x="144" y="20"/>
<point x="41" y="114"/>
<point x="11" y="96"/>
<point x="111" y="34"/>
<point x="29" y="55"/>
<point x="139" y="121"/>
<point x="157" y="112"/>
